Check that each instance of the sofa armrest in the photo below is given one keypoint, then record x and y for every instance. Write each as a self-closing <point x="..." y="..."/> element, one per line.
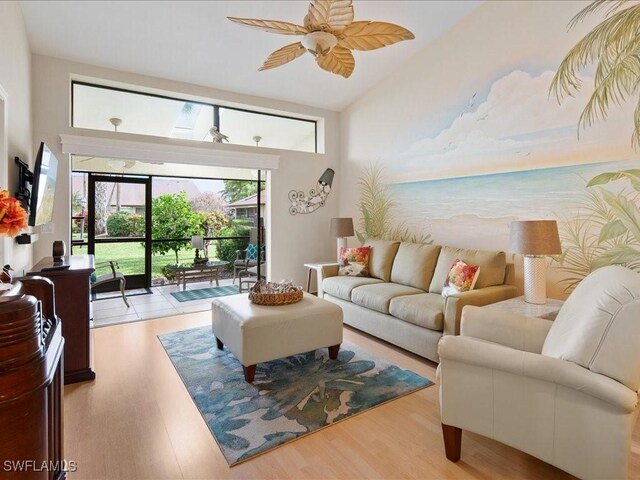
<point x="329" y="270"/>
<point x="484" y="354"/>
<point x="454" y="304"/>
<point x="506" y="328"/>
<point x="325" y="271"/>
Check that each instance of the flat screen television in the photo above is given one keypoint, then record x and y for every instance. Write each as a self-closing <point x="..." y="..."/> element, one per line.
<point x="44" y="186"/>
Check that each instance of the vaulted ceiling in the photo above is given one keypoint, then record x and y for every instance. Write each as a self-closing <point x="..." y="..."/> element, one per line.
<point x="194" y="42"/>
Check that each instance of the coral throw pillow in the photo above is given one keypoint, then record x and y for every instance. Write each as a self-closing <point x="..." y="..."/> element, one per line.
<point x="461" y="278"/>
<point x="354" y="262"/>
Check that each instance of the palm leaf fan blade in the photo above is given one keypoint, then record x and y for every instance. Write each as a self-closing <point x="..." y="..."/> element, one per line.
<point x="372" y="35"/>
<point x="339" y="61"/>
<point x="329" y="15"/>
<point x="283" y="55"/>
<point x="271" y="26"/>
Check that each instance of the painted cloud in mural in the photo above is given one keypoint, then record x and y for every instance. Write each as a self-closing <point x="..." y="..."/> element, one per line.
<point x="516" y="127"/>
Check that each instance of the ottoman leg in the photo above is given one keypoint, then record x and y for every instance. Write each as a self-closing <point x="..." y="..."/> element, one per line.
<point x="333" y="351"/>
<point x="219" y="344"/>
<point x="249" y="373"/>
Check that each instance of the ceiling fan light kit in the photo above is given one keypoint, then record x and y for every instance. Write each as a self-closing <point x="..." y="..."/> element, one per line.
<point x="329" y="34"/>
<point x="319" y="43"/>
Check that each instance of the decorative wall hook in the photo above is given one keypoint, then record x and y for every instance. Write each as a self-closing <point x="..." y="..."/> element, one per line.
<point x="302" y="203"/>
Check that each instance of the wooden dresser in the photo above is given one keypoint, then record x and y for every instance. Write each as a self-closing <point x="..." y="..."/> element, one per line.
<point x="73" y="303"/>
<point x="31" y="410"/>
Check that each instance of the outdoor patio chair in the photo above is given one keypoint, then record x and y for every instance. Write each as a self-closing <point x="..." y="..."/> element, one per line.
<point x="112" y="277"/>
<point x="242" y="262"/>
<point x="250" y="275"/>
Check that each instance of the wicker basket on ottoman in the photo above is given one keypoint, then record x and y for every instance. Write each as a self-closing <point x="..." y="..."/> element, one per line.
<point x="259" y="333"/>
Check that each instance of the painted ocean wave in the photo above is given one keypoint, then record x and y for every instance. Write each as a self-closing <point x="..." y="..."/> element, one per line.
<point x="528" y="194"/>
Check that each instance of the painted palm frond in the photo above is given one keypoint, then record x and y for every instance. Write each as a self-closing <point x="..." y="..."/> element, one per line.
<point x="606" y="230"/>
<point x="376" y="208"/>
<point x="579" y="251"/>
<point x="615" y="45"/>
<point x="610" y="6"/>
<point x="375" y="204"/>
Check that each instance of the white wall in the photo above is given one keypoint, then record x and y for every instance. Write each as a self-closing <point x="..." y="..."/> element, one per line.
<point x="293" y="240"/>
<point x="15" y="80"/>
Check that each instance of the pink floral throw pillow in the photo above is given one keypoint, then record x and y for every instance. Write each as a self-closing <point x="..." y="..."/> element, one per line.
<point x="461" y="278"/>
<point x="354" y="262"/>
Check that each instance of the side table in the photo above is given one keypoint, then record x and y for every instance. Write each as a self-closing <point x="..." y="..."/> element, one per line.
<point x="548" y="311"/>
<point x="317" y="266"/>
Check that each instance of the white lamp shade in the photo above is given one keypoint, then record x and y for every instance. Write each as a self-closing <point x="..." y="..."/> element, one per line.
<point x="197" y="242"/>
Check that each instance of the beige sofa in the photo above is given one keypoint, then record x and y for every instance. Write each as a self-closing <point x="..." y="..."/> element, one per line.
<point x="402" y="303"/>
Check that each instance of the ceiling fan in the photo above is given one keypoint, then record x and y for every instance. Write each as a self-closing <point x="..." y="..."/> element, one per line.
<point x="329" y="34"/>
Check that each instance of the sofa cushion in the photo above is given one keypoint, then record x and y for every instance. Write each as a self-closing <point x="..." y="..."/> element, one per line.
<point x="377" y="297"/>
<point x="414" y="265"/>
<point x="492" y="265"/>
<point x="381" y="259"/>
<point x="598" y="326"/>
<point x="423" y="310"/>
<point x="341" y="287"/>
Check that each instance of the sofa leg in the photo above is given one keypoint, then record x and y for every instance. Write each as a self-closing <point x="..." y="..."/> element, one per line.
<point x="333" y="351"/>
<point x="219" y="344"/>
<point x="452" y="442"/>
<point x="249" y="373"/>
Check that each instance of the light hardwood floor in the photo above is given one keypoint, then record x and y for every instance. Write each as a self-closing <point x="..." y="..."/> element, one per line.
<point x="137" y="421"/>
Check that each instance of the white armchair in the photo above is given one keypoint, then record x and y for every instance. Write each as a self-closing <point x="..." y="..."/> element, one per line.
<point x="565" y="391"/>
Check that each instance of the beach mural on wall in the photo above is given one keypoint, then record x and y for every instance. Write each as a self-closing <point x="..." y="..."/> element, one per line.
<point x="475" y="133"/>
<point x="514" y="152"/>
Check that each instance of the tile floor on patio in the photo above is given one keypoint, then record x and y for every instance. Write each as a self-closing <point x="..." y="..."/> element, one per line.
<point x="159" y="303"/>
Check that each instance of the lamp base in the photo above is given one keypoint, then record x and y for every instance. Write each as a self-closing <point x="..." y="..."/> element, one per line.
<point x="342" y="242"/>
<point x="198" y="260"/>
<point x="535" y="279"/>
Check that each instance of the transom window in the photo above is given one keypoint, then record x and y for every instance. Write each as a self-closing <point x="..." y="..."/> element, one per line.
<point x="99" y="107"/>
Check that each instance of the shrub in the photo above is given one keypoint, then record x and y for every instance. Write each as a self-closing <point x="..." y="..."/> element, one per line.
<point x="136" y="223"/>
<point x="168" y="273"/>
<point x="118" y="224"/>
<point x="227" y="248"/>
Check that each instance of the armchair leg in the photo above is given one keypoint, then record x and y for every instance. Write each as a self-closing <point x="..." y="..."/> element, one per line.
<point x="452" y="442"/>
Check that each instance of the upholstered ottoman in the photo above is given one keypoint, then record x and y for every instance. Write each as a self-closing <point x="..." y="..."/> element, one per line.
<point x="258" y="333"/>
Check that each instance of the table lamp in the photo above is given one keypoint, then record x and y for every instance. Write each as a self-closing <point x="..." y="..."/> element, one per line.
<point x="341" y="228"/>
<point x="535" y="239"/>
<point x="197" y="242"/>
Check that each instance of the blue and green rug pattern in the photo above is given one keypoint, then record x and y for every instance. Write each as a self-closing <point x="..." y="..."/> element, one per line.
<point x="202" y="293"/>
<point x="289" y="398"/>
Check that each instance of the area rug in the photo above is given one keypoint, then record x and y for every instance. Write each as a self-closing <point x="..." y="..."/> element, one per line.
<point x="290" y="397"/>
<point x="202" y="293"/>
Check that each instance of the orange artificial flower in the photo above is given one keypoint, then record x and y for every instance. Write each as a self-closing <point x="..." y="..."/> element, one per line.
<point x="13" y="218"/>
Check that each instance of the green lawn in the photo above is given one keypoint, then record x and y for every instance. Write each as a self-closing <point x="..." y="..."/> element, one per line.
<point x="130" y="258"/>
